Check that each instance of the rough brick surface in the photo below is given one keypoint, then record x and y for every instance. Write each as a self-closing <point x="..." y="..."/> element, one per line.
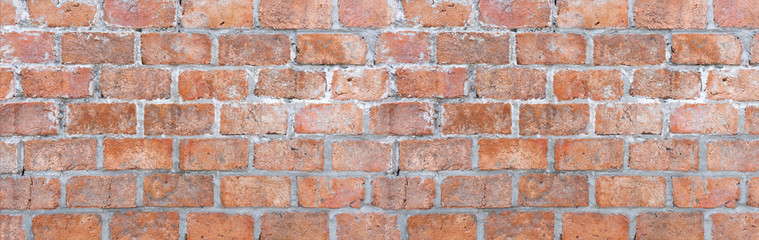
<point x="56" y="82"/>
<point x="361" y="155"/>
<point x="290" y="155"/>
<point x="102" y="118"/>
<point x="703" y="192"/>
<point x="516" y="14"/>
<point x="144" y="225"/>
<point x="289" y="83"/>
<point x="553" y="119"/>
<point x="523" y="225"/>
<point x="62" y="14"/>
<point x="401" y="119"/>
<point x="547" y="190"/>
<point x="588" y="154"/>
<point x="27" y="47"/>
<point x="217" y="84"/>
<point x="474" y="118"/>
<point x="273" y="49"/>
<point x="594" y="226"/>
<point x="403" y="47"/>
<point x="321" y="192"/>
<point x="431" y="14"/>
<point x="735" y="225"/>
<point x="665" y="154"/>
<point x="732" y="155"/>
<point x="329" y="118"/>
<point x="510" y="83"/>
<point x="270" y="191"/>
<point x="11" y="228"/>
<point x="119" y="154"/>
<point x="371" y="226"/>
<point x="512" y="154"/>
<point x="29" y="193"/>
<point x="592" y="84"/>
<point x="441" y="226"/>
<point x="665" y="83"/>
<point x="670" y="14"/>
<point x="706" y="49"/>
<point x="215" y="14"/>
<point x="295" y="225"/>
<point x="670" y="225"/>
<point x="29" y="118"/>
<point x="435" y="155"/>
<point x="431" y="82"/>
<point x="102" y="191"/>
<point x="550" y="48"/>
<point x="704" y="118"/>
<point x="628" y="119"/>
<point x="60" y="155"/>
<point x="477" y="191"/>
<point x="139" y="14"/>
<point x="9" y="157"/>
<point x="630" y="191"/>
<point x="627" y="49"/>
<point x="135" y="83"/>
<point x="213" y="154"/>
<point x="175" y="48"/>
<point x="171" y="190"/>
<point x="97" y="47"/>
<point x="68" y="226"/>
<point x="461" y="48"/>
<point x="219" y="225"/>
<point x="403" y="193"/>
<point x="592" y="14"/>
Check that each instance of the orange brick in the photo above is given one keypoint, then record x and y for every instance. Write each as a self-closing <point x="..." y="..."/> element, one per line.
<point x="403" y="193"/>
<point x="598" y="85"/>
<point x="9" y="161"/>
<point x="512" y="154"/>
<point x="295" y="225"/>
<point x="370" y="226"/>
<point x="553" y="119"/>
<point x="594" y="226"/>
<point x="340" y="118"/>
<point x="735" y="13"/>
<point x="732" y="155"/>
<point x="269" y="49"/>
<point x="753" y="192"/>
<point x="178" y="119"/>
<point x="28" y="118"/>
<point x="550" y="48"/>
<point x="435" y="155"/>
<point x="11" y="225"/>
<point x="219" y="225"/>
<point x="62" y="14"/>
<point x="66" y="226"/>
<point x="365" y="13"/>
<point x="102" y="191"/>
<point x="222" y="85"/>
<point x="633" y="118"/>
<point x="670" y="225"/>
<point x="670" y="14"/>
<point x="736" y="84"/>
<point x="550" y="190"/>
<point x="236" y="191"/>
<point x="139" y="14"/>
<point x="522" y="225"/>
<point x="101" y="118"/>
<point x="624" y="49"/>
<point x="53" y="82"/>
<point x="476" y="118"/>
<point x="7" y="14"/>
<point x="289" y="83"/>
<point x="30" y="193"/>
<point x="517" y="14"/>
<point x="403" y="118"/>
<point x="60" y="155"/>
<point x="436" y="14"/>
<point x="291" y="14"/>
<point x="217" y="14"/>
<point x="368" y="84"/>
<point x="706" y="49"/>
<point x="665" y="155"/>
<point x="331" y="49"/>
<point x="442" y="226"/>
<point x="135" y="83"/>
<point x="665" y="83"/>
<point x="290" y="155"/>
<point x="172" y="190"/>
<point x="403" y="47"/>
<point x="97" y="47"/>
<point x="27" y="47"/>
<point x="6" y="82"/>
<point x="500" y="83"/>
<point x="592" y="14"/>
<point x="252" y="118"/>
<point x="468" y="48"/>
<point x="176" y="48"/>
<point x="213" y="154"/>
<point x="702" y="192"/>
<point x="630" y="191"/>
<point x="588" y="154"/>
<point x="144" y="225"/>
<point x="476" y="191"/>
<point x="361" y="155"/>
<point x="754" y="49"/>
<point x="751" y="124"/>
<point x="735" y="225"/>
<point x="322" y="192"/>
<point x="431" y="82"/>
<point x="704" y="118"/>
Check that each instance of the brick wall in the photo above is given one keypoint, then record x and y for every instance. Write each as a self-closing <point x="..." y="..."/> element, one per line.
<point x="379" y="119"/>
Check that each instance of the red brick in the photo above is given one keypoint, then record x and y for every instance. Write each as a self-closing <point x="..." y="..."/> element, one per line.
<point x="322" y="192"/>
<point x="289" y="83"/>
<point x="732" y="155"/>
<point x="550" y="48"/>
<point x="293" y="14"/>
<point x="213" y="154"/>
<point x="172" y="190"/>
<point x="254" y="49"/>
<point x="217" y="14"/>
<point x="361" y="155"/>
<point x="10" y="225"/>
<point x="598" y="85"/>
<point x="222" y="85"/>
<point x="670" y="225"/>
<point x="255" y="191"/>
<point x="139" y="14"/>
<point x="27" y="47"/>
<point x="9" y="162"/>
<point x="7" y="14"/>
<point x="369" y="84"/>
<point x="66" y="226"/>
<point x="516" y="14"/>
<point x="253" y="119"/>
<point x="402" y="118"/>
<point x="630" y="191"/>
<point x="706" y="49"/>
<point x="476" y="191"/>
<point x="178" y="119"/>
<point x="510" y="83"/>
<point x="512" y="154"/>
<point x="719" y="118"/>
<point x="6" y="82"/>
<point x="365" y="13"/>
<point x="736" y="84"/>
<point x="144" y="225"/>
<point x="95" y="47"/>
<point x="633" y="118"/>
<point x="29" y="193"/>
<point x="753" y="192"/>
<point x="751" y="124"/>
<point x="469" y="47"/>
<point x="340" y="118"/>
<point x="331" y="49"/>
<point x="624" y="49"/>
<point x="476" y="118"/>
<point x="403" y="193"/>
<point x="592" y="14"/>
<point x="435" y="155"/>
<point x="53" y="82"/>
<point x="369" y="226"/>
<point x="135" y="83"/>
<point x="702" y="192"/>
<point x="62" y="14"/>
<point x="670" y="14"/>
<point x="403" y="47"/>
<point x="436" y="14"/>
<point x="553" y="119"/>
<point x="28" y="118"/>
<point x="295" y="225"/>
<point x="588" y="154"/>
<point x="431" y="82"/>
<point x="290" y="155"/>
<point x="60" y="155"/>
<point x="594" y="226"/>
<point x="522" y="225"/>
<point x="548" y="190"/>
<point x="101" y="118"/>
<point x="665" y="83"/>
<point x="754" y="49"/>
<point x="735" y="225"/>
<point x="128" y="153"/>
<point x="176" y="48"/>
<point x="442" y="226"/>
<point x="664" y="155"/>
<point x="736" y="13"/>
<point x="102" y="192"/>
<point x="219" y="226"/>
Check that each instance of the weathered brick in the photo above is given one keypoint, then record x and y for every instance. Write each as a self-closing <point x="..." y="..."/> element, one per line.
<point x="28" y="118"/>
<point x="290" y="155"/>
<point x="222" y="85"/>
<point x="97" y="47"/>
<point x="323" y="192"/>
<point x="331" y="49"/>
<point x="254" y="49"/>
<point x="670" y="14"/>
<point x="219" y="226"/>
<point x="176" y="48"/>
<point x="591" y="14"/>
<point x="588" y="154"/>
<point x="289" y="83"/>
<point x="751" y="124"/>
<point x="27" y="47"/>
<point x="370" y="226"/>
<point x="633" y="118"/>
<point x="476" y="118"/>
<point x="594" y="226"/>
<point x="135" y="83"/>
<point x="144" y="225"/>
<point x="550" y="48"/>
<point x="178" y="119"/>
<point x="102" y="191"/>
<point x="446" y="13"/>
<point x="217" y="14"/>
<point x="62" y="13"/>
<point x="253" y="118"/>
<point x="732" y="155"/>
<point x="630" y="191"/>
<point x="598" y="85"/>
<point x="664" y="155"/>
<point x="293" y="14"/>
<point x="363" y="84"/>
<point x="736" y="13"/>
<point x="735" y="225"/>
<point x="341" y="118"/>
<point x="66" y="226"/>
<point x="754" y="49"/>
<point x="30" y="193"/>
<point x="522" y="225"/>
<point x="550" y="190"/>
<point x="7" y="14"/>
<point x="361" y="155"/>
<point x="402" y="118"/>
<point x="476" y="191"/>
<point x="435" y="155"/>
<point x="403" y="193"/>
<point x="9" y="162"/>
<point x="510" y="83"/>
<point x="6" y="82"/>
<point x="441" y="226"/>
<point x="295" y="225"/>
<point x="53" y="82"/>
<point x="469" y="47"/>
<point x="665" y="83"/>
<point x="516" y="14"/>
<point x="625" y="49"/>
<point x="703" y="192"/>
<point x="128" y="153"/>
<point x="140" y="13"/>
<point x="213" y="154"/>
<point x="706" y="49"/>
<point x="255" y="191"/>
<point x="753" y="192"/>
<point x="11" y="225"/>
<point x="60" y="155"/>
<point x="172" y="190"/>
<point x="553" y="119"/>
<point x="365" y="13"/>
<point x="512" y="153"/>
<point x="101" y="118"/>
<point x="670" y="225"/>
<point x="719" y="118"/>
<point x="403" y="47"/>
<point x="735" y="84"/>
<point x="431" y="82"/>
